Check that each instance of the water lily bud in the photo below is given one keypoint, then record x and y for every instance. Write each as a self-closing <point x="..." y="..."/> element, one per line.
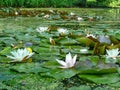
<point x="52" y="41"/>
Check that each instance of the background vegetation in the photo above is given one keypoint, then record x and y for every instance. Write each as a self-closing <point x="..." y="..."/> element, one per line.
<point x="59" y="3"/>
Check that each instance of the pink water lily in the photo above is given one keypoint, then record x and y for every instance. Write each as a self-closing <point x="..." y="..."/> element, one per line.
<point x="69" y="61"/>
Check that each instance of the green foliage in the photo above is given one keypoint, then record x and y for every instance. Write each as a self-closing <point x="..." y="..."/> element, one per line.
<point x="108" y="3"/>
<point x="81" y="87"/>
<point x="59" y="3"/>
<point x="101" y="79"/>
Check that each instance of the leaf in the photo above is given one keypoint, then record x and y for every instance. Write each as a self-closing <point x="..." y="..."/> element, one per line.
<point x="104" y="39"/>
<point x="101" y="79"/>
<point x="114" y="40"/>
<point x="81" y="87"/>
<point x="84" y="65"/>
<point x="5" y="51"/>
<point x="86" y="41"/>
<point x="61" y="74"/>
<point x="29" y="68"/>
<point x="89" y="67"/>
<point x="51" y="64"/>
<point x="100" y="88"/>
<point x="117" y="84"/>
<point x="67" y="41"/>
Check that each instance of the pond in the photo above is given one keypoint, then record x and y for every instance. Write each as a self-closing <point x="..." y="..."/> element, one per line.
<point x="88" y="34"/>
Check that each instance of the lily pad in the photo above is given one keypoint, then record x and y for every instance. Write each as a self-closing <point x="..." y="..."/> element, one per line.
<point x="81" y="87"/>
<point x="61" y="74"/>
<point x="28" y="68"/>
<point x="101" y="79"/>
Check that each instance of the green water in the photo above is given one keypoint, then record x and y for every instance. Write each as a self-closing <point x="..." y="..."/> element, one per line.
<point x="108" y="19"/>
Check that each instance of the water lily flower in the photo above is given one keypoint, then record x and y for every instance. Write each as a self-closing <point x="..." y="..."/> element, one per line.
<point x="52" y="41"/>
<point x="113" y="53"/>
<point x="91" y="35"/>
<point x="72" y="14"/>
<point x="16" y="13"/>
<point x="46" y="16"/>
<point x="79" y="18"/>
<point x="62" y="30"/>
<point x="69" y="61"/>
<point x="42" y="29"/>
<point x="51" y="11"/>
<point x="21" y="54"/>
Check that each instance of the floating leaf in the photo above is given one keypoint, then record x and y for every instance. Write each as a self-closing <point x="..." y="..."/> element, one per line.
<point x="29" y="68"/>
<point x="5" y="51"/>
<point x="101" y="79"/>
<point x="85" y="41"/>
<point x="61" y="74"/>
<point x="81" y="87"/>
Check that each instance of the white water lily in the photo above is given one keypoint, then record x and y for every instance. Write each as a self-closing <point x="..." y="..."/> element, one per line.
<point x="62" y="30"/>
<point x="91" y="35"/>
<point x="69" y="61"/>
<point x="21" y="54"/>
<point x="72" y="14"/>
<point x="113" y="53"/>
<point x="46" y="16"/>
<point x="42" y="29"/>
<point x="79" y="18"/>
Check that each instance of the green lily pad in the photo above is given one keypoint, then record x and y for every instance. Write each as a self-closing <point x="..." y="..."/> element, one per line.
<point x="61" y="74"/>
<point x="5" y="51"/>
<point x="101" y="79"/>
<point x="28" y="68"/>
<point x="87" y="67"/>
<point x="86" y="41"/>
<point x="81" y="87"/>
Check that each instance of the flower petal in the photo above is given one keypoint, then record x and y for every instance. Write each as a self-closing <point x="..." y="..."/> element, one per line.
<point x="68" y="59"/>
<point x="61" y="62"/>
<point x="74" y="60"/>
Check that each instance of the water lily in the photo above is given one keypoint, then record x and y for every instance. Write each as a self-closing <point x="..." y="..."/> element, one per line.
<point x="52" y="41"/>
<point x="113" y="53"/>
<point x="47" y="16"/>
<point x="91" y="35"/>
<point x="42" y="29"/>
<point x="21" y="54"/>
<point x="79" y="18"/>
<point x="72" y="14"/>
<point x="69" y="61"/>
<point x="62" y="31"/>
<point x="51" y="11"/>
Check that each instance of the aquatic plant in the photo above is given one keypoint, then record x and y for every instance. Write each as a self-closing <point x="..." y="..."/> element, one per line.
<point x="113" y="53"/>
<point x="21" y="55"/>
<point x="69" y="61"/>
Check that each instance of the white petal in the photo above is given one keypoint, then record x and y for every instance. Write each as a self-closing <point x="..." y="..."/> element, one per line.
<point x="11" y="57"/>
<point x="74" y="60"/>
<point x="61" y="62"/>
<point x="29" y="55"/>
<point x="68" y="59"/>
